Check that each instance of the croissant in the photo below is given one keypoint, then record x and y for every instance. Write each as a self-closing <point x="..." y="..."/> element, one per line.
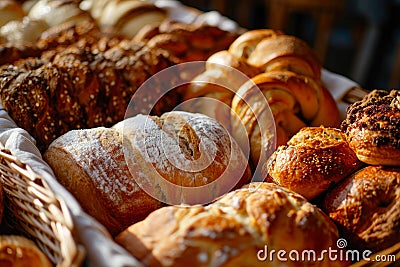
<point x="295" y="101"/>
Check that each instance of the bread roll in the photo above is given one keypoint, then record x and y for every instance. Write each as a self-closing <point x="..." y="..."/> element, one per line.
<point x="127" y="17"/>
<point x="119" y="175"/>
<point x="27" y="30"/>
<point x="10" y="10"/>
<point x="233" y="231"/>
<point x="366" y="207"/>
<point x="314" y="160"/>
<point x="56" y="12"/>
<point x="18" y="251"/>
<point x="295" y="101"/>
<point x="285" y="78"/>
<point x="373" y="127"/>
<point x="187" y="42"/>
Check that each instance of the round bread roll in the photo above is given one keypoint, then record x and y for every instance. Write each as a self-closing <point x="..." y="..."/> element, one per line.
<point x="239" y="229"/>
<point x="366" y="207"/>
<point x="121" y="174"/>
<point x="312" y="161"/>
<point x="373" y="128"/>
<point x="18" y="251"/>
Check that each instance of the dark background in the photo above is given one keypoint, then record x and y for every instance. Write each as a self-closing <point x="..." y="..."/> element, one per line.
<point x="362" y="46"/>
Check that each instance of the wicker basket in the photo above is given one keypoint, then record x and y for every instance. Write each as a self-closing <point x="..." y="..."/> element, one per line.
<point x="35" y="211"/>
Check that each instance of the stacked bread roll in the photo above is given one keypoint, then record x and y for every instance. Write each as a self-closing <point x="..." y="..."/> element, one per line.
<point x="365" y="206"/>
<point x="285" y="80"/>
<point x="120" y="174"/>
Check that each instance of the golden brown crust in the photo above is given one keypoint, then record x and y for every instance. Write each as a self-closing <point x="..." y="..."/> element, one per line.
<point x="108" y="170"/>
<point x="287" y="72"/>
<point x="366" y="207"/>
<point x="187" y="42"/>
<point x="373" y="128"/>
<point x="231" y="231"/>
<point x="18" y="251"/>
<point x="91" y="165"/>
<point x="295" y="101"/>
<point x="314" y="160"/>
<point x="285" y="52"/>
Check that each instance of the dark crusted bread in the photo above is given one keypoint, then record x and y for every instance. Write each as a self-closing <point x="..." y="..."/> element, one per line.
<point x="373" y="128"/>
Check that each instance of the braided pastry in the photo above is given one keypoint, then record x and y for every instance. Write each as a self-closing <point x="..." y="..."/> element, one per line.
<point x="295" y="101"/>
<point x="372" y="126"/>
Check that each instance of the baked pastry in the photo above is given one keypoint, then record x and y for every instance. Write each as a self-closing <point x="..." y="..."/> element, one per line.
<point x="56" y="12"/>
<point x="239" y="229"/>
<point x="276" y="51"/>
<point x="366" y="207"/>
<point x="84" y="85"/>
<point x="19" y="251"/>
<point x="284" y="76"/>
<point x="10" y="10"/>
<point x="314" y="160"/>
<point x="295" y="101"/>
<point x="372" y="126"/>
<point x="24" y="31"/>
<point x="186" y="42"/>
<point x="211" y="91"/>
<point x="127" y="17"/>
<point x="120" y="174"/>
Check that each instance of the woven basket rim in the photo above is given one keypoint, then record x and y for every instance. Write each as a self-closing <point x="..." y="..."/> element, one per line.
<point x="37" y="212"/>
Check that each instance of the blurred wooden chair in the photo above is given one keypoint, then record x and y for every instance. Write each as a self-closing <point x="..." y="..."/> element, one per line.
<point x="323" y="11"/>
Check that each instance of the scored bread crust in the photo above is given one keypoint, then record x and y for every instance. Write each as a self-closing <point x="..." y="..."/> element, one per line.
<point x="91" y="165"/>
<point x="113" y="171"/>
<point x="366" y="207"/>
<point x="231" y="231"/>
<point x="314" y="160"/>
<point x="373" y="128"/>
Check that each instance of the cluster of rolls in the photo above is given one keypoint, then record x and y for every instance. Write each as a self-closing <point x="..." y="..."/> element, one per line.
<point x="352" y="173"/>
<point x="141" y="176"/>
<point x="283" y="70"/>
